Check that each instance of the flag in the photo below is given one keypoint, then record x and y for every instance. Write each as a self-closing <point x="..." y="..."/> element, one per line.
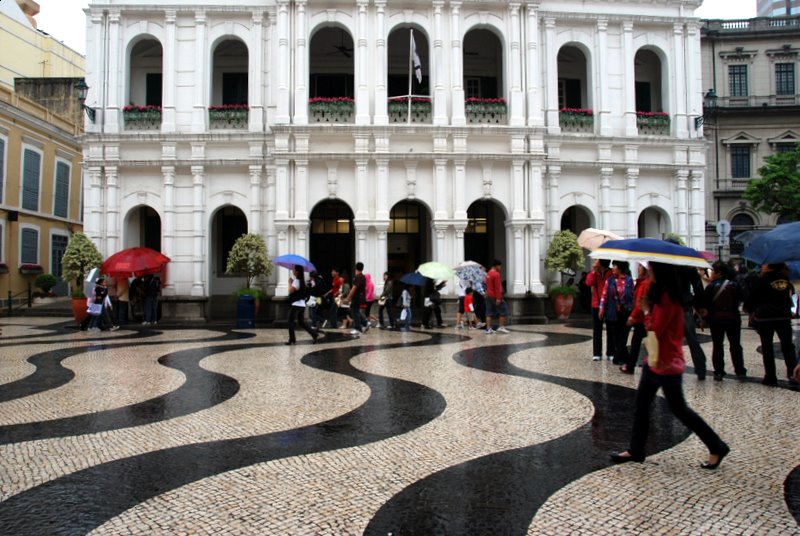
<point x="416" y="64"/>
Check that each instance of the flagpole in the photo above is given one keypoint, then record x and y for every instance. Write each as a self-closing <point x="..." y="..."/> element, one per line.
<point x="410" y="70"/>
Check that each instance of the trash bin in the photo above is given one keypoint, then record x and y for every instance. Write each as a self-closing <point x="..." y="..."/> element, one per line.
<point x="246" y="312"/>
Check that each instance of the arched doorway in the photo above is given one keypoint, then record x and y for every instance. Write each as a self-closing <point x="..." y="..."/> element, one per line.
<point x="485" y="235"/>
<point x="740" y="223"/>
<point x="332" y="237"/>
<point x="227" y="224"/>
<point x="145" y="76"/>
<point x="483" y="73"/>
<point x="653" y="223"/>
<point x="229" y="85"/>
<point x="142" y="228"/>
<point x="331" y="76"/>
<point x="398" y="76"/>
<point x="576" y="219"/>
<point x="409" y="237"/>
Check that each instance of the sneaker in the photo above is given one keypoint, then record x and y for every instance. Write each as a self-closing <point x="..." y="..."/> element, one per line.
<point x="114" y="328"/>
<point x="354" y="332"/>
<point x="324" y="324"/>
<point x="489" y="331"/>
<point x="366" y="328"/>
<point x="145" y="323"/>
<point x="610" y="357"/>
<point x="481" y="325"/>
<point x="502" y="329"/>
<point x="597" y="358"/>
<point x="459" y="326"/>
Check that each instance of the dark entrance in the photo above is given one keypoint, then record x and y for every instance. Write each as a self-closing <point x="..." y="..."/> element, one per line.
<point x="332" y="237"/>
<point x="485" y="235"/>
<point x="409" y="243"/>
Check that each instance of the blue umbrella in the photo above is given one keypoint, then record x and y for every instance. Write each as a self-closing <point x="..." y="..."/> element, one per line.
<point x="650" y="250"/>
<point x="290" y="261"/>
<point x="781" y="244"/>
<point x="794" y="270"/>
<point x="414" y="278"/>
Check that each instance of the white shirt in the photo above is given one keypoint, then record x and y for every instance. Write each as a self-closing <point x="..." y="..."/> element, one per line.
<point x="296" y="286"/>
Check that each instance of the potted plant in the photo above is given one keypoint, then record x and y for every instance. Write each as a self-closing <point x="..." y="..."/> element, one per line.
<point x="564" y="255"/>
<point x="248" y="257"/>
<point x="45" y="283"/>
<point x="80" y="256"/>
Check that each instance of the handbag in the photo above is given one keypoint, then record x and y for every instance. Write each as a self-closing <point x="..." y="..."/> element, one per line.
<point x="382" y="301"/>
<point x="404" y="314"/>
<point x="95" y="309"/>
<point x="428" y="302"/>
<point x="311" y="301"/>
<point x="651" y="345"/>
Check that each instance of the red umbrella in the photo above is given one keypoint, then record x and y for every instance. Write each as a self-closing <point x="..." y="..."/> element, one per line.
<point x="134" y="262"/>
<point x="708" y="255"/>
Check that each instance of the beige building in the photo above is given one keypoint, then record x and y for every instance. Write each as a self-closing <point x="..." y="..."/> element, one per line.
<point x="40" y="156"/>
<point x="753" y="66"/>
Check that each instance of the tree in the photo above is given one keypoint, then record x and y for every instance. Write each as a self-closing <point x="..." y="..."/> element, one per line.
<point x="248" y="257"/>
<point x="80" y="256"/>
<point x="777" y="190"/>
<point x="564" y="253"/>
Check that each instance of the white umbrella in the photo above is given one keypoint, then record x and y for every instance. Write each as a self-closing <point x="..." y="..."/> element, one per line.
<point x="592" y="238"/>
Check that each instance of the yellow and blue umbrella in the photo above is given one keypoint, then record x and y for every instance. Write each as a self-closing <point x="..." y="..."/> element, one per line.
<point x="650" y="250"/>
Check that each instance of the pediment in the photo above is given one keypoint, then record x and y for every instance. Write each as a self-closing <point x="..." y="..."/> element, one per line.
<point x="742" y="138"/>
<point x="788" y="137"/>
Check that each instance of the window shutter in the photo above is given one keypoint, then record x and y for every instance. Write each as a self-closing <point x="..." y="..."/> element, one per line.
<point x="2" y="168"/>
<point x="61" y="206"/>
<point x="30" y="246"/>
<point x="30" y="180"/>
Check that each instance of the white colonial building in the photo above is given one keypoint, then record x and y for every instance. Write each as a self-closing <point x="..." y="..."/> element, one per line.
<point x="276" y="117"/>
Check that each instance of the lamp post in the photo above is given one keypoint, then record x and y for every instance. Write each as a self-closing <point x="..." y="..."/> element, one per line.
<point x="81" y="90"/>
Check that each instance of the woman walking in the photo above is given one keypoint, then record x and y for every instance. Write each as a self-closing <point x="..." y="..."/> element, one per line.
<point x="664" y="316"/>
<point x="385" y="301"/>
<point x="724" y="296"/>
<point x="298" y="296"/>
<point x="636" y="319"/>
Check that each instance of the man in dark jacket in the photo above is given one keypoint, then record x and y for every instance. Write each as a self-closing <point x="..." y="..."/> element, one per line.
<point x="770" y="306"/>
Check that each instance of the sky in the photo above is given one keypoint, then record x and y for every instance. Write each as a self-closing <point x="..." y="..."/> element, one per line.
<point x="66" y="22"/>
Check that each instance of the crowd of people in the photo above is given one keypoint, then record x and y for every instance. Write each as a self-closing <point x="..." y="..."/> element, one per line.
<point x="114" y="301"/>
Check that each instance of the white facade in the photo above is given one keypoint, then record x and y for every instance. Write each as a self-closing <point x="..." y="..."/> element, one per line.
<point x="531" y="170"/>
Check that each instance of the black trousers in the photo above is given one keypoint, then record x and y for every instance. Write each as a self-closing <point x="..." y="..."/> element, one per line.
<point x="597" y="335"/>
<point x="389" y="311"/>
<point x="766" y="331"/>
<point x="690" y="334"/>
<point x="733" y="330"/>
<point x="620" y="330"/>
<point x="426" y="316"/>
<point x="297" y="316"/>
<point x="639" y="333"/>
<point x="672" y="385"/>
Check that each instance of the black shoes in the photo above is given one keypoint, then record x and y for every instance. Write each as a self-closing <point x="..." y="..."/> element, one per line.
<point x="623" y="457"/>
<point x="772" y="382"/>
<point x="289" y="343"/>
<point x="708" y="465"/>
<point x="719" y="376"/>
<point x="625" y="369"/>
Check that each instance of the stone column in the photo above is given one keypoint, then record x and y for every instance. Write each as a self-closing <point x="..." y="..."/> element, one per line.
<point x="362" y="186"/>
<point x="281" y="189"/>
<point x="694" y="90"/>
<point x="200" y="111"/>
<point x="682" y="194"/>
<point x="438" y="73"/>
<point x="255" y="200"/>
<point x="516" y="106"/>
<point x="456" y="65"/>
<point x="94" y="205"/>
<point x="439" y="229"/>
<point x="112" y="210"/>
<point x="696" y="233"/>
<point x="255" y="95"/>
<point x="517" y="276"/>
<point x="382" y="189"/>
<point x="536" y="193"/>
<point x="631" y="195"/>
<point x="170" y="73"/>
<point x="551" y="81"/>
<point x="112" y="116"/>
<point x="300" y="189"/>
<point x="381" y="58"/>
<point x="535" y="236"/>
<point x="602" y="85"/>
<point x="677" y="94"/>
<point x="282" y="28"/>
<point x="381" y="254"/>
<point x="629" y="78"/>
<point x="361" y="61"/>
<point x="271" y="237"/>
<point x="518" y="189"/>
<point x="168" y="230"/>
<point x="198" y="230"/>
<point x="606" y="172"/>
<point x="440" y="189"/>
<point x="553" y="212"/>
<point x="533" y="71"/>
<point x="362" y="249"/>
<point x="300" y="64"/>
<point x="459" y="188"/>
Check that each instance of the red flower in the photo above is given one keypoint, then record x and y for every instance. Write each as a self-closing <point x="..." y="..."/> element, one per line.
<point x="227" y="107"/>
<point x="652" y="114"/>
<point x="138" y="108"/>
<point x="577" y="111"/>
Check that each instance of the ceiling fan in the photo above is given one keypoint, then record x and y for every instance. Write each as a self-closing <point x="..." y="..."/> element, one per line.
<point x="342" y="48"/>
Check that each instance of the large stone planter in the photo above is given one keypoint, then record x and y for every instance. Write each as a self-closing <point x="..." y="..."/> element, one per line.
<point x="79" y="310"/>
<point x="562" y="306"/>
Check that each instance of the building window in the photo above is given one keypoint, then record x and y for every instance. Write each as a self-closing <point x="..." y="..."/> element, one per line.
<point x="784" y="148"/>
<point x="31" y="170"/>
<point x="331" y="219"/>
<point x="740" y="161"/>
<point x="737" y="77"/>
<point x="61" y="190"/>
<point x="405" y="219"/>
<point x="478" y="219"/>
<point x="784" y="78"/>
<point x="29" y="246"/>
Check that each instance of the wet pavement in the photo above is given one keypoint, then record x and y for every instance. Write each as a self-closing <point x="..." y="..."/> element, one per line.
<point x="214" y="431"/>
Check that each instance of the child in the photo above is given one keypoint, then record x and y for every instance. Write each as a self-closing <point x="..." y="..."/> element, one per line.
<point x="405" y="313"/>
<point x="469" y="309"/>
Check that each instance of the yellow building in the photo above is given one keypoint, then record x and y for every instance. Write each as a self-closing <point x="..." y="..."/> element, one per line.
<point x="40" y="155"/>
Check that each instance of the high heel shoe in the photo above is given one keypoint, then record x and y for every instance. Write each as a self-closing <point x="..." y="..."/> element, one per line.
<point x="622" y="457"/>
<point x="289" y="343"/>
<point x="722" y="454"/>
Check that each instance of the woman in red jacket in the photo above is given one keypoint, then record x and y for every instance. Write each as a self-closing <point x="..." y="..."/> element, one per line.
<point x="664" y="316"/>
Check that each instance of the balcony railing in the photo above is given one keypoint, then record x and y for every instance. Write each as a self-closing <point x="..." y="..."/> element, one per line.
<point x="576" y="120"/>
<point x="331" y="110"/>
<point x="228" y="116"/>
<point x="142" y="117"/>
<point x="486" y="111"/>
<point x="653" y="123"/>
<point x="759" y="24"/>
<point x="420" y="110"/>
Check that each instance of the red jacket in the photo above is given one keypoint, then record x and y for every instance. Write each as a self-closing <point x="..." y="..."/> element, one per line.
<point x="597" y="282"/>
<point x="666" y="320"/>
<point x="642" y="288"/>
<point x="494" y="288"/>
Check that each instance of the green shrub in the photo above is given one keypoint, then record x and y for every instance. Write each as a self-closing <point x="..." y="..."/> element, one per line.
<point x="46" y="282"/>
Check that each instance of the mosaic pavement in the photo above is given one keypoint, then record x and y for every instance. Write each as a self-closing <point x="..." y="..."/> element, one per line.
<point x="214" y="431"/>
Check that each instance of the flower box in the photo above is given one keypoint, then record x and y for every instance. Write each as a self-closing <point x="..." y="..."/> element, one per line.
<point x="331" y="109"/>
<point x="653" y="123"/>
<point x="576" y="119"/>
<point x="3" y="268"/>
<point x="142" y="117"/>
<point x="485" y="110"/>
<point x="31" y="269"/>
<point x="420" y="110"/>
<point x="228" y="116"/>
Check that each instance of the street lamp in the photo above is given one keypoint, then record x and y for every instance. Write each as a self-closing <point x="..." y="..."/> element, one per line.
<point x="81" y="90"/>
<point x="709" y="108"/>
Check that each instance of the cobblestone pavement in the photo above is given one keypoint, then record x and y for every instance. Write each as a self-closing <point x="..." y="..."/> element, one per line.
<point x="213" y="431"/>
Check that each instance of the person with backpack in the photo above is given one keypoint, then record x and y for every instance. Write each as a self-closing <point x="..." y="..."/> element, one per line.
<point x="616" y="304"/>
<point x="723" y="298"/>
<point x="298" y="294"/>
<point x="152" y="289"/>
